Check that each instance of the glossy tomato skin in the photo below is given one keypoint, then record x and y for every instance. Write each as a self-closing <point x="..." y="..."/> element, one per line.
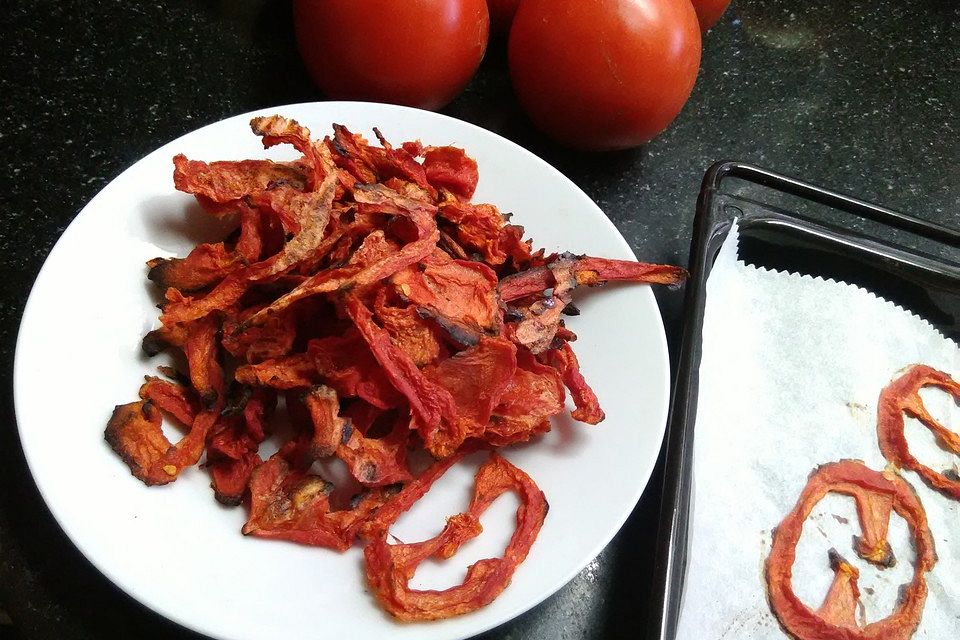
<point x="501" y="15"/>
<point x="709" y="11"/>
<point x="604" y="74"/>
<point x="419" y="53"/>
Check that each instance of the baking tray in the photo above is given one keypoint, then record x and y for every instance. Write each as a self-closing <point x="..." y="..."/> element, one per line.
<point x="788" y="224"/>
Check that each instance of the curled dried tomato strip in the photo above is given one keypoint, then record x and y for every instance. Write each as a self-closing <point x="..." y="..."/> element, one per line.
<point x="564" y="360"/>
<point x="250" y="243"/>
<point x="161" y="339"/>
<point x="329" y="429"/>
<point x="295" y="371"/>
<point x="231" y="458"/>
<point x="202" y="351"/>
<point x="590" y="271"/>
<point x="876" y="495"/>
<point x="274" y="130"/>
<point x="389" y="568"/>
<point x="232" y="452"/>
<point x="348" y="153"/>
<point x="175" y="399"/>
<point x="226" y="182"/>
<point x="206" y="265"/>
<point x="134" y="433"/>
<point x="903" y="396"/>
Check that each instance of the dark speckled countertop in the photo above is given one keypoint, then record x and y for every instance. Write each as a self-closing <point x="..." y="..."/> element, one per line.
<point x="860" y="95"/>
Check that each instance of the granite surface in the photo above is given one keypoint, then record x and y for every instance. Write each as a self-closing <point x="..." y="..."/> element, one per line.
<point x="859" y="95"/>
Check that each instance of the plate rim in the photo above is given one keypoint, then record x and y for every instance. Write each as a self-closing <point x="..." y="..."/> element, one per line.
<point x="662" y="353"/>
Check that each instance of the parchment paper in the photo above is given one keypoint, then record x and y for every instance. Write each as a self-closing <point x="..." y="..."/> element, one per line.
<point x="791" y="371"/>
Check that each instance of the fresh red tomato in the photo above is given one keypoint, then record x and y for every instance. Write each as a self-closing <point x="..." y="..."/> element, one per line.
<point x="709" y="11"/>
<point x="414" y="52"/>
<point x="501" y="15"/>
<point x="604" y="74"/>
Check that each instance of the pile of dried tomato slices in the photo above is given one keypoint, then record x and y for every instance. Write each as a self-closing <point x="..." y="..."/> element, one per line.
<point x="363" y="294"/>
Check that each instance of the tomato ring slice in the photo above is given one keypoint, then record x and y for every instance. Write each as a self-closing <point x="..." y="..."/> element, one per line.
<point x="903" y="396"/>
<point x="876" y="495"/>
<point x="389" y="567"/>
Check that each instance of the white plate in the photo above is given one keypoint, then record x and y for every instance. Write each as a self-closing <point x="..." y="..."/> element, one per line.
<point x="174" y="548"/>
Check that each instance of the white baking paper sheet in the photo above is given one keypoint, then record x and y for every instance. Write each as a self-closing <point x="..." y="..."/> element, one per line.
<point x="791" y="371"/>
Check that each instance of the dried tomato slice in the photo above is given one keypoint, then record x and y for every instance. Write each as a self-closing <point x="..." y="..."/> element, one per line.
<point x="459" y="294"/>
<point x="477" y="378"/>
<point x="389" y="568"/>
<point x="348" y="152"/>
<point x="202" y="349"/>
<point x="519" y="251"/>
<point x="408" y="329"/>
<point x="392" y="164"/>
<point x="253" y="235"/>
<point x="274" y="130"/>
<point x="369" y="164"/>
<point x="232" y="451"/>
<point x="295" y="371"/>
<point x="903" y="396"/>
<point x="564" y="360"/>
<point x="452" y="169"/>
<point x="273" y="339"/>
<point x="172" y="398"/>
<point x="378" y="462"/>
<point x="226" y="182"/>
<point x="291" y="505"/>
<point x="231" y="458"/>
<point x="534" y="395"/>
<point x="374" y="248"/>
<point x="329" y="429"/>
<point x="590" y="271"/>
<point x="477" y="227"/>
<point x="134" y="433"/>
<point x="541" y="319"/>
<point x="161" y="339"/>
<point x="876" y="495"/>
<point x="206" y="265"/>
<point x="256" y="411"/>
